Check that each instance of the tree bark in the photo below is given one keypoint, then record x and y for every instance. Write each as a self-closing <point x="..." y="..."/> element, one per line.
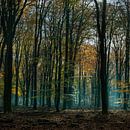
<point x="101" y="28"/>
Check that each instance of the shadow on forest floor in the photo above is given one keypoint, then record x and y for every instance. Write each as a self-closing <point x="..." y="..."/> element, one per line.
<point x="64" y="120"/>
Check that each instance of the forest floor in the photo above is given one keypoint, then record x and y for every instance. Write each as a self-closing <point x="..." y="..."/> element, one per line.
<point x="64" y="120"/>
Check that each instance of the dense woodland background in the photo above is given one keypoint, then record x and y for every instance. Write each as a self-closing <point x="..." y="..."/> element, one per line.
<point x="65" y="54"/>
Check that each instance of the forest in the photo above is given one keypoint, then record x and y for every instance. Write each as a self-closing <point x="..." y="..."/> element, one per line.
<point x="64" y="64"/>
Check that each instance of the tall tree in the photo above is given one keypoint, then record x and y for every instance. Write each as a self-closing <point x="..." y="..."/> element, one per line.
<point x="127" y="51"/>
<point x="12" y="11"/>
<point x="101" y="29"/>
<point x="67" y="14"/>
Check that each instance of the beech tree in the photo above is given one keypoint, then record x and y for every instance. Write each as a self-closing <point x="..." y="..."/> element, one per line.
<point x="127" y="51"/>
<point x="11" y="12"/>
<point x="101" y="29"/>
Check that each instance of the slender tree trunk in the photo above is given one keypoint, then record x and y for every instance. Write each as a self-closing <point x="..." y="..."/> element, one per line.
<point x="32" y="87"/>
<point x="117" y="72"/>
<point x="56" y="78"/>
<point x="2" y="54"/>
<point x="8" y="77"/>
<point x="17" y="84"/>
<point x="103" y="79"/>
<point x="27" y="83"/>
<point x="127" y="51"/>
<point x="17" y="74"/>
<point x="101" y="28"/>
<point x="27" y="91"/>
<point x="59" y="77"/>
<point x="65" y="102"/>
<point x="79" y="87"/>
<point x="35" y="85"/>
<point x="84" y="90"/>
<point x="98" y="84"/>
<point x="43" y="89"/>
<point x="35" y="60"/>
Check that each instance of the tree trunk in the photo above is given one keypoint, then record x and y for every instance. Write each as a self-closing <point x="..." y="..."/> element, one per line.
<point x="101" y="28"/>
<point x="35" y="85"/>
<point x="65" y="102"/>
<point x="127" y="51"/>
<point x="8" y="77"/>
<point x="17" y="84"/>
<point x="79" y="87"/>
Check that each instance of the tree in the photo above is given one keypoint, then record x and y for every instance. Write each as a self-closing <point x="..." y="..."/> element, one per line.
<point x="10" y="15"/>
<point x="40" y="16"/>
<point x="127" y="51"/>
<point x="18" y="54"/>
<point x="101" y="29"/>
